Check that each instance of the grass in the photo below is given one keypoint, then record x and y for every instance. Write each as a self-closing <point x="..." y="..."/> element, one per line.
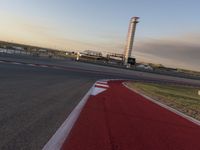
<point x="182" y="98"/>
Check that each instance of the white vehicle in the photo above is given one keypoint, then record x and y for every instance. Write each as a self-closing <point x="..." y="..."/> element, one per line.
<point x="145" y="67"/>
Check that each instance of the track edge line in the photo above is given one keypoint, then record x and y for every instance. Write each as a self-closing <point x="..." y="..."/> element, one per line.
<point x="59" y="137"/>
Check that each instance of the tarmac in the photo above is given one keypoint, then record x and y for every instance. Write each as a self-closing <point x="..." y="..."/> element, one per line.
<point x="37" y="95"/>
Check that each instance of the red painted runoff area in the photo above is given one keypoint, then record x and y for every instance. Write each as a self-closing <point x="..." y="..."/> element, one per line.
<point x="120" y="119"/>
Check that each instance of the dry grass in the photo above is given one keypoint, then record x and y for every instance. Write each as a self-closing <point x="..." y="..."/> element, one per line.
<point x="181" y="98"/>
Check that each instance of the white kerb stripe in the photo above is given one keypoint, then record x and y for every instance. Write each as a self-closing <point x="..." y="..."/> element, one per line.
<point x="102" y="85"/>
<point x="100" y="82"/>
<point x="97" y="90"/>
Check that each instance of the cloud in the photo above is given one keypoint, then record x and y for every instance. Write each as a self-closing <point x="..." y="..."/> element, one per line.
<point x="181" y="51"/>
<point x="178" y="51"/>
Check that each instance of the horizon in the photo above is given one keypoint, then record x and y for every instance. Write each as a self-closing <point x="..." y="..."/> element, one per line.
<point x="166" y="33"/>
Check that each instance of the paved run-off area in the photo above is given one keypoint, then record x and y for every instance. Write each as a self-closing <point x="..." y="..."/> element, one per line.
<point x="120" y="119"/>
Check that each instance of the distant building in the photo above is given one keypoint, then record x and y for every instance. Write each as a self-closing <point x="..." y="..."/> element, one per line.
<point x="89" y="55"/>
<point x="92" y="53"/>
<point x="17" y="48"/>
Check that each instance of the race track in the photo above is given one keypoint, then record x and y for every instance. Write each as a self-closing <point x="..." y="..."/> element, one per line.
<point x="36" y="100"/>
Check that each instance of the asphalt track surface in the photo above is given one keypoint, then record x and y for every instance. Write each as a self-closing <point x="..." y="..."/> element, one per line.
<point x="34" y="103"/>
<point x="120" y="119"/>
<point x="35" y="100"/>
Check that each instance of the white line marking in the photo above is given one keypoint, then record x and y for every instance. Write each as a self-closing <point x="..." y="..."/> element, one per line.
<point x="43" y="66"/>
<point x="58" y="139"/>
<point x="102" y="85"/>
<point x="97" y="90"/>
<point x="100" y="82"/>
<point x="197" y="122"/>
<point x="56" y="142"/>
<point x="15" y="63"/>
<point x="31" y="65"/>
<point x="55" y="67"/>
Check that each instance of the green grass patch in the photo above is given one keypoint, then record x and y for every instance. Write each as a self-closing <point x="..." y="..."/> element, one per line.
<point x="182" y="98"/>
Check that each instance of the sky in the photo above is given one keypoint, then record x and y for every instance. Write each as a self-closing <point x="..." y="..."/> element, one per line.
<point x="168" y="32"/>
